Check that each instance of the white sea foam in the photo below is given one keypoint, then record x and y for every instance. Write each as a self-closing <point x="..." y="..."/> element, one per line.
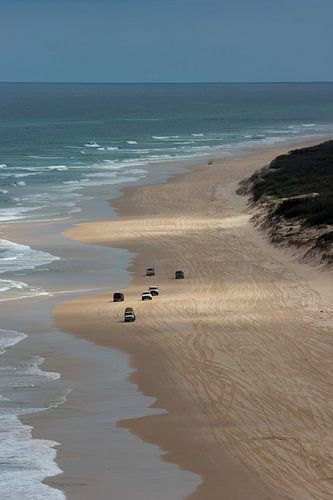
<point x="165" y="137"/>
<point x="28" y="462"/>
<point x="276" y="131"/>
<point x="52" y="199"/>
<point x="24" y="462"/>
<point x="131" y="142"/>
<point x="198" y="135"/>
<point x="92" y="145"/>
<point x="110" y="165"/>
<point x="33" y="169"/>
<point x="295" y="129"/>
<point x="9" y="338"/>
<point x="26" y="373"/>
<point x="31" y="369"/>
<point x="45" y="157"/>
<point x="4" y="191"/>
<point x="104" y="175"/>
<point x="58" y="167"/>
<point x="157" y="157"/>
<point x="14" y="290"/>
<point x="26" y="174"/>
<point x="112" y="148"/>
<point x="16" y="257"/>
<point x="16" y="213"/>
<point x="3" y="165"/>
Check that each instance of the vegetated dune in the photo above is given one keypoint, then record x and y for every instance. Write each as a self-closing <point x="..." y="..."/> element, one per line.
<point x="293" y="198"/>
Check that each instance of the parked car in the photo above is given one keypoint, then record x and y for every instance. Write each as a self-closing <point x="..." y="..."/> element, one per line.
<point x="150" y="271"/>
<point x="146" y="296"/>
<point x="129" y="315"/>
<point x="153" y="290"/>
<point x="118" y="297"/>
<point x="179" y="275"/>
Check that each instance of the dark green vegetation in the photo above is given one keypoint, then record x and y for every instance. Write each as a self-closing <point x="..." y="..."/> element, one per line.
<point x="303" y="183"/>
<point x="296" y="190"/>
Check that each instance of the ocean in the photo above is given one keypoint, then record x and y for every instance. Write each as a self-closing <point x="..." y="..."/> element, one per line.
<point x="60" y="144"/>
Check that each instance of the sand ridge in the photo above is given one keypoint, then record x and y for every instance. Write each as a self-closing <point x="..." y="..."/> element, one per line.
<point x="239" y="352"/>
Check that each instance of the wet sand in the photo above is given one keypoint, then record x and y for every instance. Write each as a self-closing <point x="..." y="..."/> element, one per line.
<point x="99" y="459"/>
<point x="239" y="353"/>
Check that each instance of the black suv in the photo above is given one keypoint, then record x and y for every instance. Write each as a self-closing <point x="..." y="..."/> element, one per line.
<point x="150" y="271"/>
<point x="118" y="297"/>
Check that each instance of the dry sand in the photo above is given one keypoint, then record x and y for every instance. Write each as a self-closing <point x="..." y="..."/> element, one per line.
<point x="239" y="353"/>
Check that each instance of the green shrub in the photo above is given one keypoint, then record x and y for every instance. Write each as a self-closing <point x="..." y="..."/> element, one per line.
<point x="304" y="180"/>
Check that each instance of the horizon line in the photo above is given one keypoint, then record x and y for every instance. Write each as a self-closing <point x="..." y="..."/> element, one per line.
<point x="73" y="82"/>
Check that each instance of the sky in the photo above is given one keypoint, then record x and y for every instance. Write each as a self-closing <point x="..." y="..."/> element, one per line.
<point x="166" y="40"/>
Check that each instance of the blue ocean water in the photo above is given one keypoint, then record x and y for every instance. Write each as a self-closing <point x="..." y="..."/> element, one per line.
<point x="58" y="139"/>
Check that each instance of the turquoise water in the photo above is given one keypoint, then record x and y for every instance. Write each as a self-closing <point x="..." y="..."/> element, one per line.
<point x="56" y="139"/>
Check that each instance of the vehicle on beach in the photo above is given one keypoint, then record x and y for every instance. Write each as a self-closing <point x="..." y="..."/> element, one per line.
<point x="129" y="315"/>
<point x="146" y="295"/>
<point x="118" y="297"/>
<point x="153" y="290"/>
<point x="179" y="275"/>
<point x="150" y="271"/>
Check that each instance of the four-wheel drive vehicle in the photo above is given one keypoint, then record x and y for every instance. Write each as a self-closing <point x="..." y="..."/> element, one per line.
<point x="146" y="296"/>
<point x="179" y="275"/>
<point x="129" y="315"/>
<point x="153" y="290"/>
<point x="118" y="297"/>
<point x="150" y="271"/>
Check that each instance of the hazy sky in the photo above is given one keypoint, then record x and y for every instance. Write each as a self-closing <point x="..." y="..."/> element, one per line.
<point x="166" y="40"/>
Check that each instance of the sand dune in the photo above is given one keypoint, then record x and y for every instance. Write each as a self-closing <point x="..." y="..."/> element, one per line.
<point x="239" y="353"/>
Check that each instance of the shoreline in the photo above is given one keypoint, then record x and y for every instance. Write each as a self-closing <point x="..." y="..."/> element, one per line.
<point x="180" y="409"/>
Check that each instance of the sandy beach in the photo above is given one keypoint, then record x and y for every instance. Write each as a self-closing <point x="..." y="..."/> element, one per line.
<point x="239" y="353"/>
